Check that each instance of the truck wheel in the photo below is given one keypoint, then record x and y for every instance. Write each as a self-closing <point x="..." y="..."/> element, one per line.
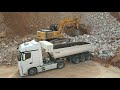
<point x="75" y="59"/>
<point x="60" y="64"/>
<point x="87" y="56"/>
<point x="32" y="71"/>
<point x="82" y="57"/>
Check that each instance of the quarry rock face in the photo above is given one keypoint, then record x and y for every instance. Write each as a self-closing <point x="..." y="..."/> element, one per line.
<point x="105" y="33"/>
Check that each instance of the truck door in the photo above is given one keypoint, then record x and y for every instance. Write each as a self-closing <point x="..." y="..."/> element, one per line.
<point x="26" y="61"/>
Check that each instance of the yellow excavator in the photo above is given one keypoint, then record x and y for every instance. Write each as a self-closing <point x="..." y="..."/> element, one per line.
<point x="56" y="30"/>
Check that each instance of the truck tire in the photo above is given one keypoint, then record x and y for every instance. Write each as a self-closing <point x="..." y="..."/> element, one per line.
<point x="60" y="64"/>
<point x="75" y="59"/>
<point x="32" y="71"/>
<point x="87" y="56"/>
<point x="82" y="58"/>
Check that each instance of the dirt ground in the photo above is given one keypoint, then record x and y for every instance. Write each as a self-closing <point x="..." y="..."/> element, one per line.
<point x="88" y="69"/>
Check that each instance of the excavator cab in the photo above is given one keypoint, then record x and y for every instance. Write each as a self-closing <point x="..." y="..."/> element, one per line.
<point x="53" y="27"/>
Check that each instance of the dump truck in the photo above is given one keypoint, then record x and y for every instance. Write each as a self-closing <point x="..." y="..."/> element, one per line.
<point x="31" y="57"/>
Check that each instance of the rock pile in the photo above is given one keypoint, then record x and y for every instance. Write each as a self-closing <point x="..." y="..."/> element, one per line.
<point x="8" y="49"/>
<point x="105" y="33"/>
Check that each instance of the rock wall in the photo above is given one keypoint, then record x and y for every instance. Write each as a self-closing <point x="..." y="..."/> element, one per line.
<point x="105" y="34"/>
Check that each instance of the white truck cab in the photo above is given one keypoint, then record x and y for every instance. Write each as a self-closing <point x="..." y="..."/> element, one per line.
<point x="30" y="60"/>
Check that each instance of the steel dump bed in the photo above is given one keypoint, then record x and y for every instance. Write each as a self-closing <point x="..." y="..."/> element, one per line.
<point x="67" y="49"/>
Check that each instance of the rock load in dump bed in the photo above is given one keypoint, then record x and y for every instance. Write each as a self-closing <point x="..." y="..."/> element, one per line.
<point x="57" y="46"/>
<point x="105" y="33"/>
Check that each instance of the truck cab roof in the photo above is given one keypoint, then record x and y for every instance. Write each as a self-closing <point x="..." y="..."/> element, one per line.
<point x="29" y="46"/>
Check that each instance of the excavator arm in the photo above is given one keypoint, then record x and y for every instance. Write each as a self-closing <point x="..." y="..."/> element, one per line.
<point x="67" y="21"/>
